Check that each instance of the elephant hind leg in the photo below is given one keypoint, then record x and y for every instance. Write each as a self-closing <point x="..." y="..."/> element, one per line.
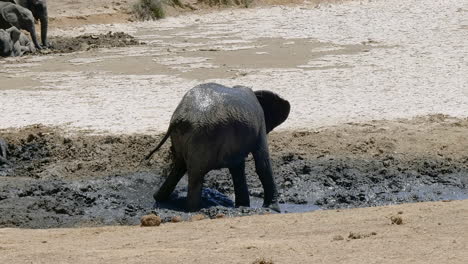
<point x="240" y="185"/>
<point x="195" y="184"/>
<point x="177" y="172"/>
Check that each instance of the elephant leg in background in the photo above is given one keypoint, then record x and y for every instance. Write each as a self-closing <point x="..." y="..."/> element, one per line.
<point x="265" y="173"/>
<point x="240" y="185"/>
<point x="177" y="172"/>
<point x="3" y="152"/>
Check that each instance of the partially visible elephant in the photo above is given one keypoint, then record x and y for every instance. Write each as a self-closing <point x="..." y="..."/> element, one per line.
<point x="25" y="44"/>
<point x="215" y="127"/>
<point x="14" y="43"/>
<point x="8" y="38"/>
<point x="20" y="17"/>
<point x="39" y="10"/>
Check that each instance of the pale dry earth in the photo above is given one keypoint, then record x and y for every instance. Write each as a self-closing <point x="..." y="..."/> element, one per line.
<point x="351" y="62"/>
<point x="429" y="233"/>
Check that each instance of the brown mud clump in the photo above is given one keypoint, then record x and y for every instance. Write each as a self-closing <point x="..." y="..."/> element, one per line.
<point x="197" y="217"/>
<point x="219" y="216"/>
<point x="337" y="238"/>
<point x="176" y="219"/>
<point x="262" y="261"/>
<point x="353" y="235"/>
<point x="150" y="220"/>
<point x="92" y="41"/>
<point x="396" y="220"/>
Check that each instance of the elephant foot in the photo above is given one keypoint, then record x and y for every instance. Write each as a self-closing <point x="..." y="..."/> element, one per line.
<point x="158" y="197"/>
<point x="273" y="206"/>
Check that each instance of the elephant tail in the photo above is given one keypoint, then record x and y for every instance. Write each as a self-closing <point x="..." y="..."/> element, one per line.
<point x="168" y="133"/>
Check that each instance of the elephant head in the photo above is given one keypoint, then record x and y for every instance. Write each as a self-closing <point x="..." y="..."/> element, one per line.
<point x="8" y="40"/>
<point x="275" y="109"/>
<point x="20" y="17"/>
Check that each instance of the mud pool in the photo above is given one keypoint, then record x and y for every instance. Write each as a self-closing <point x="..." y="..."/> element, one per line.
<point x="60" y="180"/>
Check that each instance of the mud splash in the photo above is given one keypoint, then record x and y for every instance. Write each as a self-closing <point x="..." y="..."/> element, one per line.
<point x="57" y="179"/>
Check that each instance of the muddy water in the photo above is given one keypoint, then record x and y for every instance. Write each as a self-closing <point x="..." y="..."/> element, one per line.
<point x="56" y="179"/>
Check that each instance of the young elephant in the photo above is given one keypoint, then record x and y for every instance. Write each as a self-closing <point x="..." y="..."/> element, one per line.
<point x="214" y="127"/>
<point x="39" y="10"/>
<point x="14" y="43"/>
<point x="8" y="39"/>
<point x="20" y="17"/>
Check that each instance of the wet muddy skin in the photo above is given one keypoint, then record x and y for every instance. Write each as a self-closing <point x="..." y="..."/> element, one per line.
<point x="56" y="180"/>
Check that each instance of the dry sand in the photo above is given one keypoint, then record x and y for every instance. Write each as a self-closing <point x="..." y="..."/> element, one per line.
<point x="429" y="233"/>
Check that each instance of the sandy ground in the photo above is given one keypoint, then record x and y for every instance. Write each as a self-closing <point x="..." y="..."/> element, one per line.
<point x="337" y="64"/>
<point x="429" y="233"/>
<point x="344" y="63"/>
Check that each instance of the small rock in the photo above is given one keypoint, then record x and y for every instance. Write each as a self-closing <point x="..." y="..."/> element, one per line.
<point x="150" y="220"/>
<point x="220" y="215"/>
<point x="396" y="220"/>
<point x="337" y="238"/>
<point x="354" y="235"/>
<point x="176" y="219"/>
<point x="197" y="217"/>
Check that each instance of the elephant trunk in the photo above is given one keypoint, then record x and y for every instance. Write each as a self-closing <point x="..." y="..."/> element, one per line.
<point x="32" y="32"/>
<point x="44" y="25"/>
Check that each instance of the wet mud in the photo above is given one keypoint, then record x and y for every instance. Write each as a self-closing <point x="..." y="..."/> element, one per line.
<point x="57" y="179"/>
<point x="90" y="41"/>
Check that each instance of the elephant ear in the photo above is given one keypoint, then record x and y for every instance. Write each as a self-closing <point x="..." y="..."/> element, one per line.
<point x="10" y="15"/>
<point x="275" y="108"/>
<point x="14" y="34"/>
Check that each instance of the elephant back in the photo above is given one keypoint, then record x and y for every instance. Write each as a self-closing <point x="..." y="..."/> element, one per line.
<point x="209" y="104"/>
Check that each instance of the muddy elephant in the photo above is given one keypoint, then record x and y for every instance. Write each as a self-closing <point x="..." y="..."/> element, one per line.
<point x="215" y="127"/>
<point x="20" y="17"/>
<point x="14" y="43"/>
<point x="8" y="38"/>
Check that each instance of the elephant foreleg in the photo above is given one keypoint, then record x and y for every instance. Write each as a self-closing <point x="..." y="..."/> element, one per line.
<point x="265" y="173"/>
<point x="177" y="172"/>
<point x="240" y="185"/>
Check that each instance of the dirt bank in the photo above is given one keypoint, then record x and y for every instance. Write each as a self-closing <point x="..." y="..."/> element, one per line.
<point x="68" y="14"/>
<point x="428" y="233"/>
<point x="58" y="180"/>
<point x="90" y="41"/>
